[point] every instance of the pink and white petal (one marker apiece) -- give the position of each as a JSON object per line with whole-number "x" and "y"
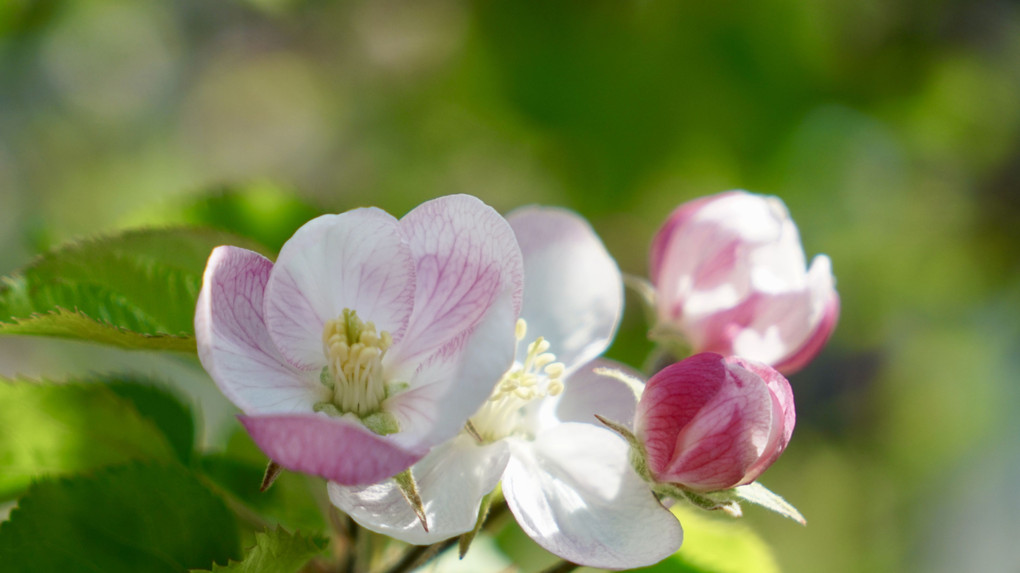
{"x": 451, "y": 480}
{"x": 465, "y": 257}
{"x": 573, "y": 292}
{"x": 823, "y": 296}
{"x": 574, "y": 492}
{"x": 586, "y": 393}
{"x": 337, "y": 449}
{"x": 455, "y": 381}
{"x": 784, "y": 415}
{"x": 234, "y": 345}
{"x": 727, "y": 437}
{"x": 354, "y": 260}
{"x": 678, "y": 220}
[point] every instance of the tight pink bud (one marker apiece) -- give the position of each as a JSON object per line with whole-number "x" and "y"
{"x": 709, "y": 423}
{"x": 730, "y": 277}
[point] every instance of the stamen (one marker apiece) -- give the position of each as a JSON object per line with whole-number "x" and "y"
{"x": 354, "y": 352}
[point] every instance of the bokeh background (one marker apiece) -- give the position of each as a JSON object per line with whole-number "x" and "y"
{"x": 891, "y": 130}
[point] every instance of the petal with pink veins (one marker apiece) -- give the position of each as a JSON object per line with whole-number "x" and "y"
{"x": 234, "y": 345}
{"x": 355, "y": 260}
{"x": 573, "y": 491}
{"x": 465, "y": 256}
{"x": 587, "y": 393}
{"x": 337, "y": 449}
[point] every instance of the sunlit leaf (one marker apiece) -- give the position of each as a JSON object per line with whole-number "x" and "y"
{"x": 716, "y": 545}
{"x": 276, "y": 551}
{"x": 66, "y": 428}
{"x": 160, "y": 405}
{"x": 135, "y": 290}
{"x": 125, "y": 519}
{"x": 290, "y": 502}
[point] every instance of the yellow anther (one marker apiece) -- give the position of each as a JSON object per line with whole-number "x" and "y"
{"x": 555, "y": 370}
{"x": 354, "y": 352}
{"x": 520, "y": 329}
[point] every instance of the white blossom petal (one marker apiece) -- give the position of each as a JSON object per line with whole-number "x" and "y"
{"x": 234, "y": 345}
{"x": 465, "y": 257}
{"x": 451, "y": 480}
{"x": 574, "y": 290}
{"x": 355, "y": 260}
{"x": 573, "y": 491}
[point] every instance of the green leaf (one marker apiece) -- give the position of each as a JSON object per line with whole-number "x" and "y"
{"x": 135, "y": 290}
{"x": 66, "y": 428}
{"x": 276, "y": 551}
{"x": 291, "y": 501}
{"x": 162, "y": 406}
{"x": 716, "y": 545}
{"x": 126, "y": 519}
{"x": 758, "y": 494}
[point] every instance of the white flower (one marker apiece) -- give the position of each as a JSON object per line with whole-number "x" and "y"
{"x": 567, "y": 479}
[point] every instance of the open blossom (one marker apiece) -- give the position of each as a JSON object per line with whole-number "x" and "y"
{"x": 709, "y": 423}
{"x": 729, "y": 277}
{"x": 567, "y": 479}
{"x": 369, "y": 340}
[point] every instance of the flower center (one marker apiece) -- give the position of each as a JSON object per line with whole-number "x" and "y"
{"x": 354, "y": 370}
{"x": 537, "y": 377}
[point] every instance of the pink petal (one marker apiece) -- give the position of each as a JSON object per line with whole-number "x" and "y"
{"x": 678, "y": 219}
{"x": 455, "y": 381}
{"x": 451, "y": 480}
{"x": 465, "y": 257}
{"x": 819, "y": 328}
{"x": 783, "y": 414}
{"x": 573, "y": 491}
{"x": 337, "y": 449}
{"x": 354, "y": 260}
{"x": 573, "y": 294}
{"x": 671, "y": 400}
{"x": 586, "y": 393}
{"x": 234, "y": 345}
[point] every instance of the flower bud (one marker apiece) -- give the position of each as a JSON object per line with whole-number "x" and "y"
{"x": 709, "y": 423}
{"x": 730, "y": 277}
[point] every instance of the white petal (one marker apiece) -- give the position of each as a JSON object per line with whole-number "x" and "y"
{"x": 451, "y": 386}
{"x": 465, "y": 257}
{"x": 354, "y": 260}
{"x": 451, "y": 480}
{"x": 573, "y": 491}
{"x": 573, "y": 293}
{"x": 234, "y": 345}
{"x": 586, "y": 393}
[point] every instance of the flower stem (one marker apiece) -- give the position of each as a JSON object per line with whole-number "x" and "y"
{"x": 418, "y": 555}
{"x": 561, "y": 567}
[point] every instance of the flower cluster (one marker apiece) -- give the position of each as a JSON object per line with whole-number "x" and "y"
{"x": 432, "y": 366}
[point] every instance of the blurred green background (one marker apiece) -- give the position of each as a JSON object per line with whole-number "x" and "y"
{"x": 890, "y": 129}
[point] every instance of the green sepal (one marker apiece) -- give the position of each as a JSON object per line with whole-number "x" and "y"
{"x": 409, "y": 488}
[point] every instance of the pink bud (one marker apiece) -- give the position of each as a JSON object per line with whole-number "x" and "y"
{"x": 709, "y": 423}
{"x": 730, "y": 277}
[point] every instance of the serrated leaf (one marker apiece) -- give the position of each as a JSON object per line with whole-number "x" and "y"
{"x": 66, "y": 428}
{"x": 714, "y": 545}
{"x": 758, "y": 494}
{"x": 161, "y": 405}
{"x": 275, "y": 551}
{"x": 135, "y": 290}
{"x": 239, "y": 471}
{"x": 126, "y": 519}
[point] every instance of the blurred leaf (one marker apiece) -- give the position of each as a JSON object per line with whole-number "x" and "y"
{"x": 136, "y": 290}
{"x": 239, "y": 471}
{"x": 134, "y": 518}
{"x": 67, "y": 428}
{"x": 263, "y": 211}
{"x": 758, "y": 494}
{"x": 160, "y": 405}
{"x": 716, "y": 546}
{"x": 276, "y": 551}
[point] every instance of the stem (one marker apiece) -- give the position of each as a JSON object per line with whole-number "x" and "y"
{"x": 418, "y": 555}
{"x": 561, "y": 567}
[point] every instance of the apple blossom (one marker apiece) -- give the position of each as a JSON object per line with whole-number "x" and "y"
{"x": 729, "y": 276}
{"x": 567, "y": 480}
{"x": 369, "y": 340}
{"x": 711, "y": 423}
